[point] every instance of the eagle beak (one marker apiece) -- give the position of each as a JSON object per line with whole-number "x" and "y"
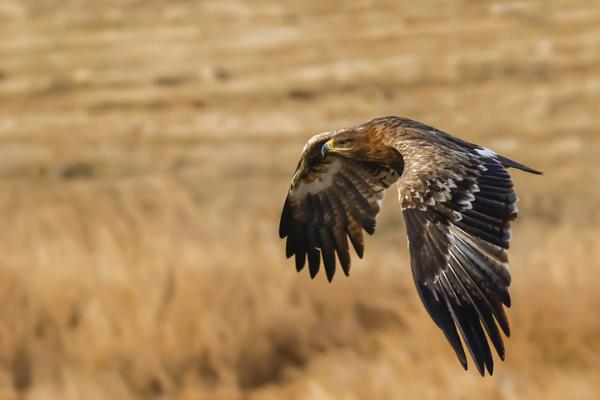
{"x": 327, "y": 148}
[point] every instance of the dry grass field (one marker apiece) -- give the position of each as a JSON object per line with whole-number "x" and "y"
{"x": 145, "y": 151}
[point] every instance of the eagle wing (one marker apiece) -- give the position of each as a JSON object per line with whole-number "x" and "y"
{"x": 458, "y": 202}
{"x": 330, "y": 200}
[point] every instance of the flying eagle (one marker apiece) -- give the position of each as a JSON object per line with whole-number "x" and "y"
{"x": 457, "y": 199}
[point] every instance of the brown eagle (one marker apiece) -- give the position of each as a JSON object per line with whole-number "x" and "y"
{"x": 458, "y": 202}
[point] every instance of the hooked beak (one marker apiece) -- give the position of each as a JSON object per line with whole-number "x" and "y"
{"x": 327, "y": 147}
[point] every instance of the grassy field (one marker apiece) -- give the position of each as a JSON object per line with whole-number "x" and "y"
{"x": 145, "y": 151}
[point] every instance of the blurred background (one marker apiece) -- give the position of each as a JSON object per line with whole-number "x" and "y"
{"x": 146, "y": 148}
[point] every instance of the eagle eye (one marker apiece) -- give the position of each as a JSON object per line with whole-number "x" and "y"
{"x": 344, "y": 143}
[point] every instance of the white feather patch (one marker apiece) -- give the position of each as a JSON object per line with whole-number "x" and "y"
{"x": 323, "y": 181}
{"x": 484, "y": 151}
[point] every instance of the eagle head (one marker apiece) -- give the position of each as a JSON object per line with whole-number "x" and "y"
{"x": 361, "y": 144}
{"x": 348, "y": 143}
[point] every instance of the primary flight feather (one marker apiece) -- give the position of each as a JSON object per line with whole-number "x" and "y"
{"x": 457, "y": 199}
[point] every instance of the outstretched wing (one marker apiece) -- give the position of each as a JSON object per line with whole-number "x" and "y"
{"x": 458, "y": 210}
{"x": 330, "y": 200}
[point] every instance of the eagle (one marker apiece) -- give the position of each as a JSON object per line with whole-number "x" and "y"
{"x": 458, "y": 202}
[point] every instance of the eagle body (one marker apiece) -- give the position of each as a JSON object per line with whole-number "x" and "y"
{"x": 457, "y": 199}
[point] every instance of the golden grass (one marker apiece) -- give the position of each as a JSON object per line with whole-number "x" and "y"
{"x": 145, "y": 152}
{"x": 133, "y": 289}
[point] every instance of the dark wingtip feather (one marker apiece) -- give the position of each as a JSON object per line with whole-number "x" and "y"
{"x": 356, "y": 239}
{"x": 360, "y": 250}
{"x": 285, "y": 217}
{"x": 314, "y": 261}
{"x": 442, "y": 317}
{"x": 506, "y": 331}
{"x": 329, "y": 275}
{"x": 507, "y": 162}
{"x": 289, "y": 251}
{"x": 506, "y": 299}
{"x": 344, "y": 258}
{"x": 328, "y": 255}
{"x": 300, "y": 261}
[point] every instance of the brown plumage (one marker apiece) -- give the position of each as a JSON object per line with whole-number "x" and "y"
{"x": 458, "y": 202}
